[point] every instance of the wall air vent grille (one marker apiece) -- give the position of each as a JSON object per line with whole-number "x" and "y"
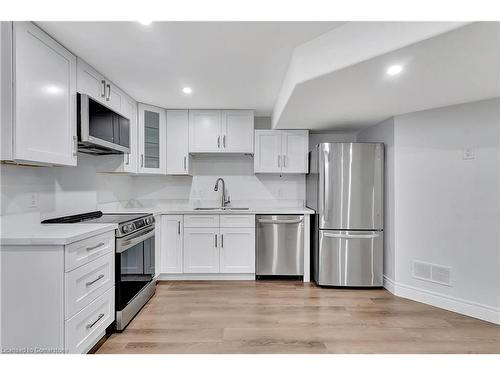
{"x": 433, "y": 273}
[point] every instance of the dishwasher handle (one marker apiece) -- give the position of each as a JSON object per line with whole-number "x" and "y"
{"x": 281, "y": 221}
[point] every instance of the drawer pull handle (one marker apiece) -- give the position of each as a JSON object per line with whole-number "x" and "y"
{"x": 95, "y": 247}
{"x": 89, "y": 283}
{"x": 99, "y": 317}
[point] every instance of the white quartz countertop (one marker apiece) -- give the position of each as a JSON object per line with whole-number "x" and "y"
{"x": 51, "y": 234}
{"x": 192, "y": 210}
{"x": 32, "y": 233}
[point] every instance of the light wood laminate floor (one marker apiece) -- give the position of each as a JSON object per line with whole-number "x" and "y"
{"x": 292, "y": 317}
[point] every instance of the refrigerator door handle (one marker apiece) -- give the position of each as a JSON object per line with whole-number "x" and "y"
{"x": 352, "y": 236}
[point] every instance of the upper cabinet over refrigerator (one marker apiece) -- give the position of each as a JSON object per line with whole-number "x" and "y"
{"x": 345, "y": 185}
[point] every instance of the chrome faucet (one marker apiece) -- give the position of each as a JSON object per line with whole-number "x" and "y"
{"x": 223, "y": 201}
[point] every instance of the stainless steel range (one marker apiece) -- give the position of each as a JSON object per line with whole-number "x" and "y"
{"x": 134, "y": 259}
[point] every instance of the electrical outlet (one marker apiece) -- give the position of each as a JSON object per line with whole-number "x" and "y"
{"x": 468, "y": 153}
{"x": 34, "y": 200}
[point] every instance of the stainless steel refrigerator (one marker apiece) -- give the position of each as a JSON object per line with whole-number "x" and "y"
{"x": 345, "y": 188}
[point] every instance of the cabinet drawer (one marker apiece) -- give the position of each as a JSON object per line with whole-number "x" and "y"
{"x": 237, "y": 221}
{"x": 201, "y": 221}
{"x": 88, "y": 282}
{"x": 84, "y": 329}
{"x": 82, "y": 252}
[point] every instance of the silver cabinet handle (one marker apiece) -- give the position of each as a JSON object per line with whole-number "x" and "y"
{"x": 75, "y": 145}
{"x": 279, "y": 161}
{"x": 95, "y": 247}
{"x": 215, "y": 240}
{"x": 103, "y": 93}
{"x": 284, "y": 161}
{"x": 351, "y": 236}
{"x": 185, "y": 162}
{"x": 109, "y": 92}
{"x": 282, "y": 221}
{"x": 128, "y": 159}
{"x": 99, "y": 317}
{"x": 221, "y": 240}
{"x": 224, "y": 141}
{"x": 142, "y": 160}
{"x": 218, "y": 141}
{"x": 179, "y": 227}
{"x": 94, "y": 281}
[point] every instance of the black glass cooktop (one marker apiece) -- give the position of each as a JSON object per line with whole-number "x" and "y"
{"x": 95, "y": 217}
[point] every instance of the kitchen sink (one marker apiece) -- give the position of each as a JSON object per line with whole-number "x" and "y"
{"x": 222, "y": 209}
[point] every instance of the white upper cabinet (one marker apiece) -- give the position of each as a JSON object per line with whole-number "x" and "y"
{"x": 38, "y": 99}
{"x": 237, "y": 131}
{"x": 152, "y": 137}
{"x": 281, "y": 151}
{"x": 178, "y": 160}
{"x": 130, "y": 160}
{"x": 221, "y": 131}
{"x": 295, "y": 149}
{"x": 267, "y": 158}
{"x": 101, "y": 89}
{"x": 204, "y": 130}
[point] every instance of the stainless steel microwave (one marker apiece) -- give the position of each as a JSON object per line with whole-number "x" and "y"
{"x": 100, "y": 129}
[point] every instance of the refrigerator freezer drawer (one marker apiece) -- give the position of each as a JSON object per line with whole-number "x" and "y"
{"x": 280, "y": 245}
{"x": 349, "y": 258}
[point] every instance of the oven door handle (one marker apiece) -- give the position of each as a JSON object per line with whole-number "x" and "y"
{"x": 124, "y": 244}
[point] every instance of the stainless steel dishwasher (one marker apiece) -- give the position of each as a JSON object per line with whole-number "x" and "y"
{"x": 280, "y": 245}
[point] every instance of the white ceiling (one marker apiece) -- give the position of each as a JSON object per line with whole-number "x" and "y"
{"x": 227, "y": 64}
{"x": 459, "y": 66}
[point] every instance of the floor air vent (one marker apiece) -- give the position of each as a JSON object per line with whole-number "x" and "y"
{"x": 434, "y": 273}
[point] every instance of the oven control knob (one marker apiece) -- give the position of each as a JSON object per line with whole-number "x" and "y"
{"x": 149, "y": 220}
{"x": 127, "y": 228}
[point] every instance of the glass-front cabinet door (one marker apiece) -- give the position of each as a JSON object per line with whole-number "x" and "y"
{"x": 152, "y": 139}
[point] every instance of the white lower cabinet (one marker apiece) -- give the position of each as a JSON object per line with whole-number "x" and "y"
{"x": 201, "y": 250}
{"x": 85, "y": 328}
{"x": 199, "y": 244}
{"x": 62, "y": 301}
{"x": 237, "y": 250}
{"x": 172, "y": 238}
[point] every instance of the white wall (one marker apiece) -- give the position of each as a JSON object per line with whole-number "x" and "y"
{"x": 447, "y": 208}
{"x": 444, "y": 210}
{"x": 236, "y": 170}
{"x": 60, "y": 190}
{"x": 384, "y": 132}
{"x": 69, "y": 190}
{"x": 325, "y": 136}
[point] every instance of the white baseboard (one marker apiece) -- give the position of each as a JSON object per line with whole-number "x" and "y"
{"x": 389, "y": 284}
{"x": 206, "y": 276}
{"x": 458, "y": 305}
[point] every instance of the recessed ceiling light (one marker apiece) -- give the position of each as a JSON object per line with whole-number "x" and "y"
{"x": 145, "y": 23}
{"x": 187, "y": 90}
{"x": 394, "y": 70}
